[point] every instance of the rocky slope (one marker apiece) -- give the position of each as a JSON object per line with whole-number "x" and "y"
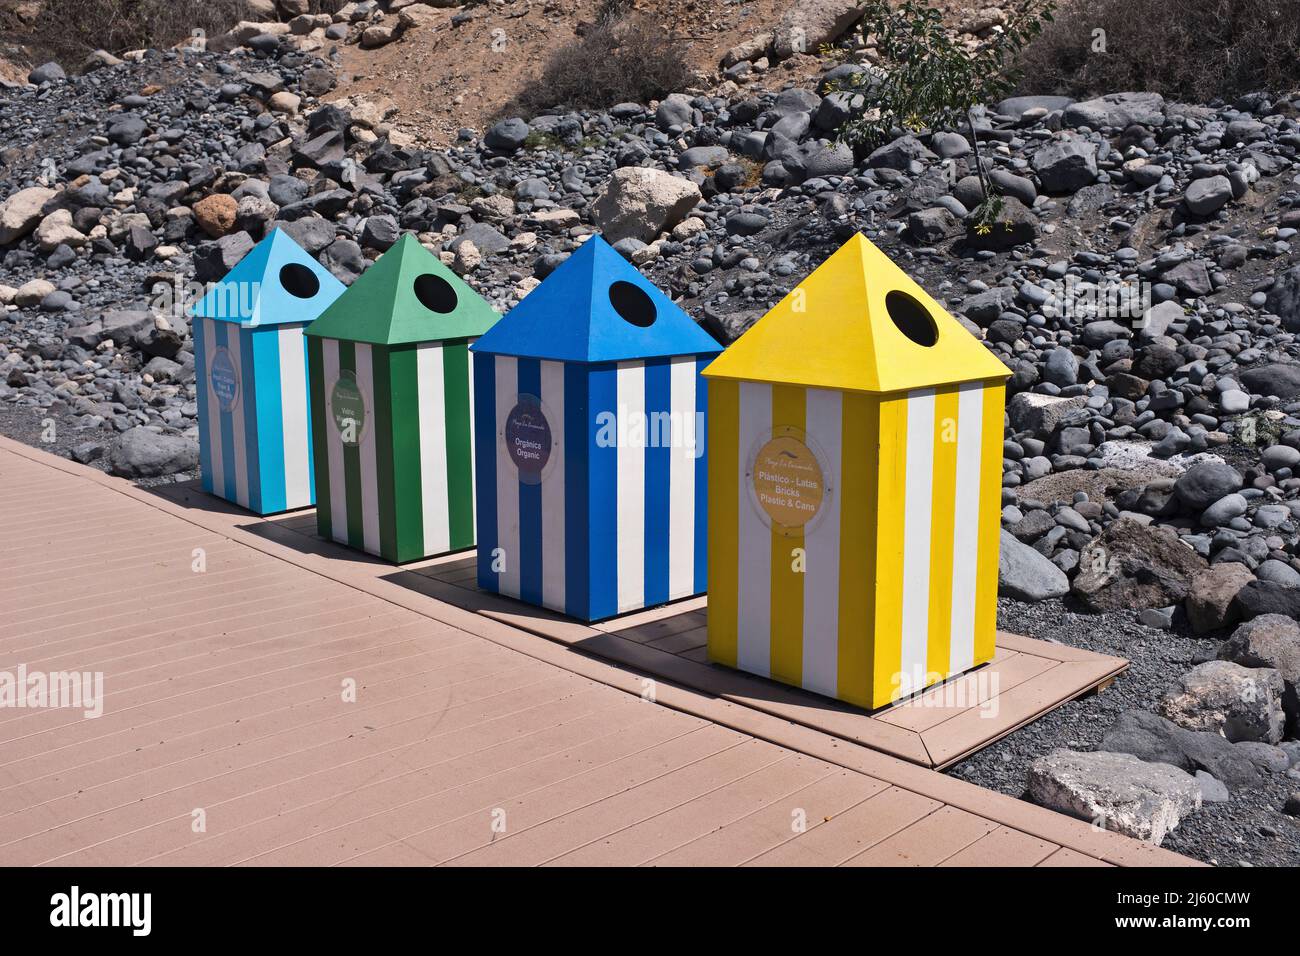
{"x": 1141, "y": 284}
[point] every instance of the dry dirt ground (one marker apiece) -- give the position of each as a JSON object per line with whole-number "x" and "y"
{"x": 442, "y": 78}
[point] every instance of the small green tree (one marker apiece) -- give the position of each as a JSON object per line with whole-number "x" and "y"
{"x": 933, "y": 82}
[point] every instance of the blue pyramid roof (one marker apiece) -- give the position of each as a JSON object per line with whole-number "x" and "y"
{"x": 585, "y": 312}
{"x": 254, "y": 293}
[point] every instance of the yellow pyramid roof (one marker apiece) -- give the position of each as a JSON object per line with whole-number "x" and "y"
{"x": 843, "y": 327}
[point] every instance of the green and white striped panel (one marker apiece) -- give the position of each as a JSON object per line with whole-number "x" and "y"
{"x": 391, "y": 429}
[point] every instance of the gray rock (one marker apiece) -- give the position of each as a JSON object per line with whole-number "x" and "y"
{"x": 1118, "y": 791}
{"x": 46, "y": 73}
{"x": 1027, "y": 575}
{"x": 1279, "y": 379}
{"x": 1284, "y": 298}
{"x": 1212, "y": 789}
{"x": 143, "y": 453}
{"x": 1066, "y": 165}
{"x": 1040, "y": 414}
{"x": 1222, "y": 697}
{"x": 1206, "y": 482}
{"x": 1117, "y": 110}
{"x": 1016, "y": 107}
{"x": 507, "y": 135}
{"x": 212, "y": 260}
{"x": 1154, "y": 739}
{"x": 1205, "y": 197}
{"x": 932, "y": 225}
{"x": 900, "y": 154}
{"x": 1266, "y": 597}
{"x": 1211, "y": 596}
{"x": 1270, "y": 641}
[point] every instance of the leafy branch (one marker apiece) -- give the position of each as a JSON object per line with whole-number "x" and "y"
{"x": 931, "y": 82}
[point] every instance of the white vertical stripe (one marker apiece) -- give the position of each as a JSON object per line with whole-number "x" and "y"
{"x": 473, "y": 461}
{"x": 754, "y": 575}
{"x": 334, "y": 445}
{"x": 631, "y": 485}
{"x": 681, "y": 478}
{"x": 507, "y": 395}
{"x": 293, "y": 411}
{"x": 966, "y": 522}
{"x": 916, "y": 538}
{"x": 233, "y": 333}
{"x": 553, "y": 570}
{"x": 433, "y": 447}
{"x": 821, "y": 610}
{"x": 217, "y": 451}
{"x": 367, "y": 450}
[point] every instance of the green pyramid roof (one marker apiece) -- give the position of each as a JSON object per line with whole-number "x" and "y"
{"x": 407, "y": 296}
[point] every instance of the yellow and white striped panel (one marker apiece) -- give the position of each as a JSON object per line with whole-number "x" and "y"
{"x": 892, "y": 584}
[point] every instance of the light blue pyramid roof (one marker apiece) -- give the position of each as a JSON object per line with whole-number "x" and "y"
{"x": 570, "y": 317}
{"x": 252, "y": 293}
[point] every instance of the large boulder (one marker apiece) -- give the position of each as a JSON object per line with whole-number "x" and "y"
{"x": 1040, "y": 414}
{"x": 1271, "y": 641}
{"x": 1268, "y": 597}
{"x": 21, "y": 212}
{"x": 1131, "y": 566}
{"x": 1066, "y": 165}
{"x": 1279, "y": 379}
{"x": 143, "y": 453}
{"x": 1117, "y": 110}
{"x": 808, "y": 24}
{"x": 641, "y": 203}
{"x": 1025, "y": 574}
{"x": 1154, "y": 739}
{"x": 1206, "y": 482}
{"x": 1284, "y": 299}
{"x": 1118, "y": 791}
{"x": 1242, "y": 703}
{"x": 1210, "y": 600}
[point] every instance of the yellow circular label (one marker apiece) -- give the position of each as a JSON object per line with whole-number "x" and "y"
{"x": 788, "y": 482}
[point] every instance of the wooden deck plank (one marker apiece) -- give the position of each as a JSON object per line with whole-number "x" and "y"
{"x": 927, "y": 842}
{"x": 231, "y": 703}
{"x": 852, "y": 832}
{"x": 1003, "y": 847}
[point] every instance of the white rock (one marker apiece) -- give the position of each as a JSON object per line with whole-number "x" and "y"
{"x": 20, "y": 213}
{"x": 57, "y": 229}
{"x": 641, "y": 203}
{"x": 1118, "y": 791}
{"x": 1241, "y": 703}
{"x": 32, "y": 291}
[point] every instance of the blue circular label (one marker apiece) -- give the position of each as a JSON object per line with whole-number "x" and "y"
{"x": 528, "y": 439}
{"x": 224, "y": 379}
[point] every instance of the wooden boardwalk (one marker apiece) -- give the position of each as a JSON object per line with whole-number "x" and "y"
{"x": 272, "y": 704}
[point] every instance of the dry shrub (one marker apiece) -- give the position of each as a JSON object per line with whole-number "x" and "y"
{"x": 618, "y": 60}
{"x": 1192, "y": 50}
{"x": 73, "y": 27}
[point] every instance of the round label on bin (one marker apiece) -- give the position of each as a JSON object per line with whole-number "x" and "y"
{"x": 787, "y": 482}
{"x": 224, "y": 379}
{"x": 348, "y": 408}
{"x": 528, "y": 439}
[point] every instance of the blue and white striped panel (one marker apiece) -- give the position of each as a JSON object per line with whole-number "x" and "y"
{"x": 254, "y": 432}
{"x": 617, "y": 522}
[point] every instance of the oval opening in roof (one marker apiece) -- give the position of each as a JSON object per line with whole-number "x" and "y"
{"x": 912, "y": 318}
{"x": 435, "y": 293}
{"x": 297, "y": 280}
{"x": 631, "y": 302}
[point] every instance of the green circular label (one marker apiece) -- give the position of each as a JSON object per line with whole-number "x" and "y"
{"x": 348, "y": 409}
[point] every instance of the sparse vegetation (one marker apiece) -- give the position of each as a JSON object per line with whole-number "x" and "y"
{"x": 1194, "y": 50}
{"x": 73, "y": 27}
{"x": 619, "y": 58}
{"x": 932, "y": 82}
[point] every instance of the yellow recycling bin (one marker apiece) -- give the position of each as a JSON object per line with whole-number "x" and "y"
{"x": 855, "y": 473}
